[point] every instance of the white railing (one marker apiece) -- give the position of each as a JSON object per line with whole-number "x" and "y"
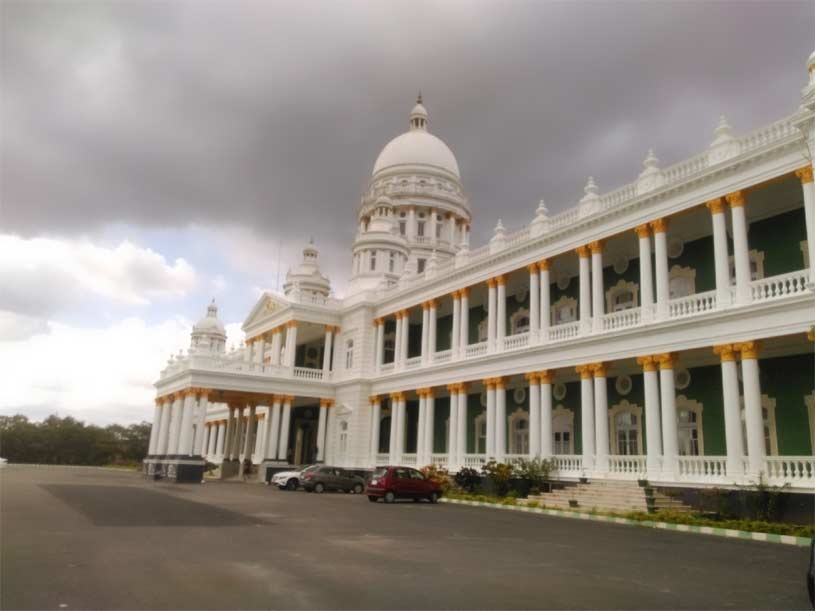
{"x": 475, "y": 460}
{"x": 475, "y": 350}
{"x": 564, "y": 331}
{"x": 513, "y": 459}
{"x": 793, "y": 470}
{"x": 440, "y": 460}
{"x": 782, "y": 285}
{"x": 307, "y": 373}
{"x": 413, "y": 363}
{"x": 627, "y": 466}
{"x": 692, "y": 304}
{"x": 442, "y": 356}
{"x": 768, "y": 134}
{"x": 408, "y": 459}
{"x": 568, "y": 463}
{"x": 383, "y": 459}
{"x": 622, "y": 319}
{"x": 704, "y": 468}
{"x": 519, "y": 340}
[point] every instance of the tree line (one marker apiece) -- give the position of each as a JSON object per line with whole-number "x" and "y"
{"x": 67, "y": 441}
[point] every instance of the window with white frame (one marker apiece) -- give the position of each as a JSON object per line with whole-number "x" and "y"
{"x": 392, "y": 262}
{"x": 402, "y": 227}
{"x": 562, "y": 430}
{"x": 625, "y": 421}
{"x": 481, "y": 433}
{"x": 768, "y": 422}
{"x": 681, "y": 281}
{"x": 519, "y": 432}
{"x": 343, "y": 437}
{"x": 390, "y": 340}
{"x": 756, "y": 266}
{"x": 349, "y": 354}
{"x": 622, "y": 296}
{"x": 373, "y": 260}
{"x": 420, "y": 265}
{"x": 420, "y": 229}
{"x": 689, "y": 427}
{"x": 519, "y": 321}
{"x": 564, "y": 310}
{"x": 482, "y": 330}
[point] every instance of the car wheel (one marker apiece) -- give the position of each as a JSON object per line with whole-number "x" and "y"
{"x": 358, "y": 488}
{"x": 390, "y": 497}
{"x": 434, "y": 497}
{"x": 373, "y": 498}
{"x": 319, "y": 487}
{"x": 291, "y": 484}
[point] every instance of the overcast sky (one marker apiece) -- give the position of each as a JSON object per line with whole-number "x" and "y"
{"x": 157, "y": 154}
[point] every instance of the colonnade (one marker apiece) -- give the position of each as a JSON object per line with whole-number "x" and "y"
{"x": 654, "y": 285}
{"x": 178, "y": 423}
{"x": 661, "y": 428}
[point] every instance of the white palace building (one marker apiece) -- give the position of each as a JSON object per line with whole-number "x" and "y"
{"x": 660, "y": 331}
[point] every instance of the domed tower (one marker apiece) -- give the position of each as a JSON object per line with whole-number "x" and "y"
{"x": 418, "y": 177}
{"x": 306, "y": 279}
{"x": 208, "y": 334}
{"x": 380, "y": 252}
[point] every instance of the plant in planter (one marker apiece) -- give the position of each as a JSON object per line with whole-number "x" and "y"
{"x": 438, "y": 475}
{"x": 535, "y": 472}
{"x": 573, "y": 503}
{"x": 497, "y": 476}
{"x": 467, "y": 479}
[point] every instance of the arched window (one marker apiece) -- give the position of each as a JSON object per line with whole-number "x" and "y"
{"x": 564, "y": 310}
{"x": 768, "y": 420}
{"x": 625, "y": 420}
{"x": 519, "y": 432}
{"x": 519, "y": 321}
{"x": 681, "y": 281}
{"x": 689, "y": 427}
{"x": 562, "y": 430}
{"x": 622, "y": 296}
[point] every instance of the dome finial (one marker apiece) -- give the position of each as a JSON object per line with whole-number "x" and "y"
{"x": 419, "y": 97}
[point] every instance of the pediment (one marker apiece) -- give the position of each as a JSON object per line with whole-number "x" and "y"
{"x": 268, "y": 306}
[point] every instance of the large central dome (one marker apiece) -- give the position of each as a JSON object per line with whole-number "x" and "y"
{"x": 417, "y": 147}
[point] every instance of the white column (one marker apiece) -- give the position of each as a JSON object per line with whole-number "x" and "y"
{"x": 545, "y": 300}
{"x": 456, "y": 335}
{"x": 646, "y": 272}
{"x": 274, "y": 429}
{"x": 500, "y": 420}
{"x": 597, "y": 290}
{"x": 741, "y": 252}
{"x": 585, "y": 289}
{"x": 451, "y": 229}
{"x": 410, "y": 230}
{"x": 464, "y": 332}
{"x": 214, "y": 438}
{"x": 490, "y": 384}
{"x": 492, "y": 305}
{"x": 753, "y": 417}
{"x": 670, "y": 441}
{"x": 164, "y": 427}
{"x": 420, "y": 460}
{"x": 501, "y": 322}
{"x": 283, "y": 444}
{"x": 376, "y": 418}
{"x": 240, "y": 434}
{"x": 432, "y": 315}
{"x": 425, "y": 343}
{"x": 534, "y": 414}
{"x": 277, "y": 338}
{"x": 328, "y": 346}
{"x": 721, "y": 267}
{"x": 249, "y": 450}
{"x": 257, "y": 351}
{"x": 600, "y": 418}
{"x": 203, "y": 405}
{"x": 401, "y": 420}
{"x": 808, "y": 187}
{"x": 154, "y": 430}
{"x": 397, "y": 342}
{"x": 660, "y": 227}
{"x": 452, "y": 427}
{"x": 461, "y": 421}
{"x": 291, "y": 349}
{"x": 175, "y": 424}
{"x": 380, "y": 343}
{"x": 732, "y": 409}
{"x": 219, "y": 442}
{"x": 586, "y": 415}
{"x": 653, "y": 426}
{"x": 546, "y": 413}
{"x": 405, "y": 335}
{"x": 229, "y": 434}
{"x": 324, "y": 405}
{"x": 429, "y": 421}
{"x": 257, "y": 451}
{"x": 432, "y": 222}
{"x": 534, "y": 303}
{"x": 393, "y": 449}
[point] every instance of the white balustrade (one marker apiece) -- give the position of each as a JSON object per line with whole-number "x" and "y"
{"x": 627, "y": 466}
{"x": 622, "y": 319}
{"x": 793, "y": 470}
{"x": 568, "y": 463}
{"x": 475, "y": 350}
{"x": 408, "y": 459}
{"x": 413, "y": 362}
{"x": 307, "y": 373}
{"x": 519, "y": 340}
{"x": 782, "y": 285}
{"x": 382, "y": 459}
{"x": 475, "y": 461}
{"x": 701, "y": 468}
{"x": 442, "y": 356}
{"x": 440, "y": 460}
{"x": 564, "y": 331}
{"x": 692, "y": 304}
{"x": 514, "y": 459}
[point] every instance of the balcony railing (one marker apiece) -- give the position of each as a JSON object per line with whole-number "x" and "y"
{"x": 692, "y": 304}
{"x": 564, "y": 331}
{"x": 519, "y": 340}
{"x": 476, "y": 349}
{"x": 306, "y": 373}
{"x": 475, "y": 461}
{"x": 442, "y": 356}
{"x": 627, "y": 466}
{"x": 702, "y": 468}
{"x": 622, "y": 319}
{"x": 790, "y": 469}
{"x": 783, "y": 285}
{"x": 413, "y": 362}
{"x": 568, "y": 464}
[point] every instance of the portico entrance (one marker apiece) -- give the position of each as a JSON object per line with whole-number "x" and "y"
{"x": 303, "y": 435}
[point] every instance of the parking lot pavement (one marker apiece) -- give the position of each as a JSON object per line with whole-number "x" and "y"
{"x": 85, "y": 538}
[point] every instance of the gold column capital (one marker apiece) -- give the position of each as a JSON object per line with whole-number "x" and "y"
{"x": 501, "y": 280}
{"x": 749, "y": 350}
{"x": 500, "y": 383}
{"x": 666, "y": 360}
{"x": 735, "y": 199}
{"x": 291, "y": 324}
{"x": 599, "y": 369}
{"x": 373, "y": 399}
{"x": 726, "y": 352}
{"x": 659, "y": 225}
{"x": 544, "y": 265}
{"x": 582, "y": 252}
{"x": 488, "y": 383}
{"x": 432, "y": 304}
{"x": 648, "y": 363}
{"x": 532, "y": 377}
{"x": 546, "y": 376}
{"x": 455, "y": 295}
{"x": 585, "y": 371}
{"x": 716, "y": 206}
{"x": 804, "y": 174}
{"x": 491, "y": 283}
{"x": 596, "y": 247}
{"x": 465, "y": 292}
{"x": 533, "y": 268}
{"x": 643, "y": 231}
{"x": 397, "y": 396}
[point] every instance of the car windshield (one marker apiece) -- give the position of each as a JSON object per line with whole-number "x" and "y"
{"x": 310, "y": 468}
{"x": 380, "y": 472}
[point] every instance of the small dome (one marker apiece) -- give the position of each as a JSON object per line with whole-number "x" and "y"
{"x": 306, "y": 276}
{"x": 210, "y": 323}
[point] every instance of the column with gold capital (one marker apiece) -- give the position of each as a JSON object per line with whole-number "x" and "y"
{"x": 808, "y": 187}
{"x": 492, "y": 305}
{"x": 600, "y": 418}
{"x": 646, "y": 272}
{"x": 464, "y": 332}
{"x": 660, "y": 229}
{"x": 653, "y": 430}
{"x": 546, "y": 378}
{"x": 741, "y": 251}
{"x": 534, "y": 303}
{"x": 721, "y": 267}
{"x": 732, "y": 410}
{"x": 489, "y": 384}
{"x": 584, "y": 298}
{"x": 545, "y": 299}
{"x": 753, "y": 415}
{"x": 456, "y": 337}
{"x": 586, "y": 415}
{"x": 597, "y": 289}
{"x": 667, "y": 387}
{"x": 534, "y": 414}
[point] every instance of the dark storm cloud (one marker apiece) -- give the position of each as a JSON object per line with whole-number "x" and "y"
{"x": 270, "y": 115}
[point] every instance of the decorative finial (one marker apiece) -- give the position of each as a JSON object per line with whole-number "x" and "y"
{"x": 651, "y": 160}
{"x": 591, "y": 187}
{"x": 542, "y": 209}
{"x": 419, "y": 97}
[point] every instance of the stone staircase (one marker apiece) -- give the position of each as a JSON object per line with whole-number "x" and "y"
{"x": 611, "y": 496}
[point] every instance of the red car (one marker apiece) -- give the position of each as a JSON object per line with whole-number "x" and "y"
{"x": 391, "y": 483}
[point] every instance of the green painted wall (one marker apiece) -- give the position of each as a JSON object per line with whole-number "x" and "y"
{"x": 780, "y": 238}
{"x": 444, "y": 328}
{"x": 441, "y": 412}
{"x": 788, "y": 380}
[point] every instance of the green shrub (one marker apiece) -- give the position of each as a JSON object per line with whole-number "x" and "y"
{"x": 498, "y": 476}
{"x": 438, "y": 475}
{"x": 467, "y": 479}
